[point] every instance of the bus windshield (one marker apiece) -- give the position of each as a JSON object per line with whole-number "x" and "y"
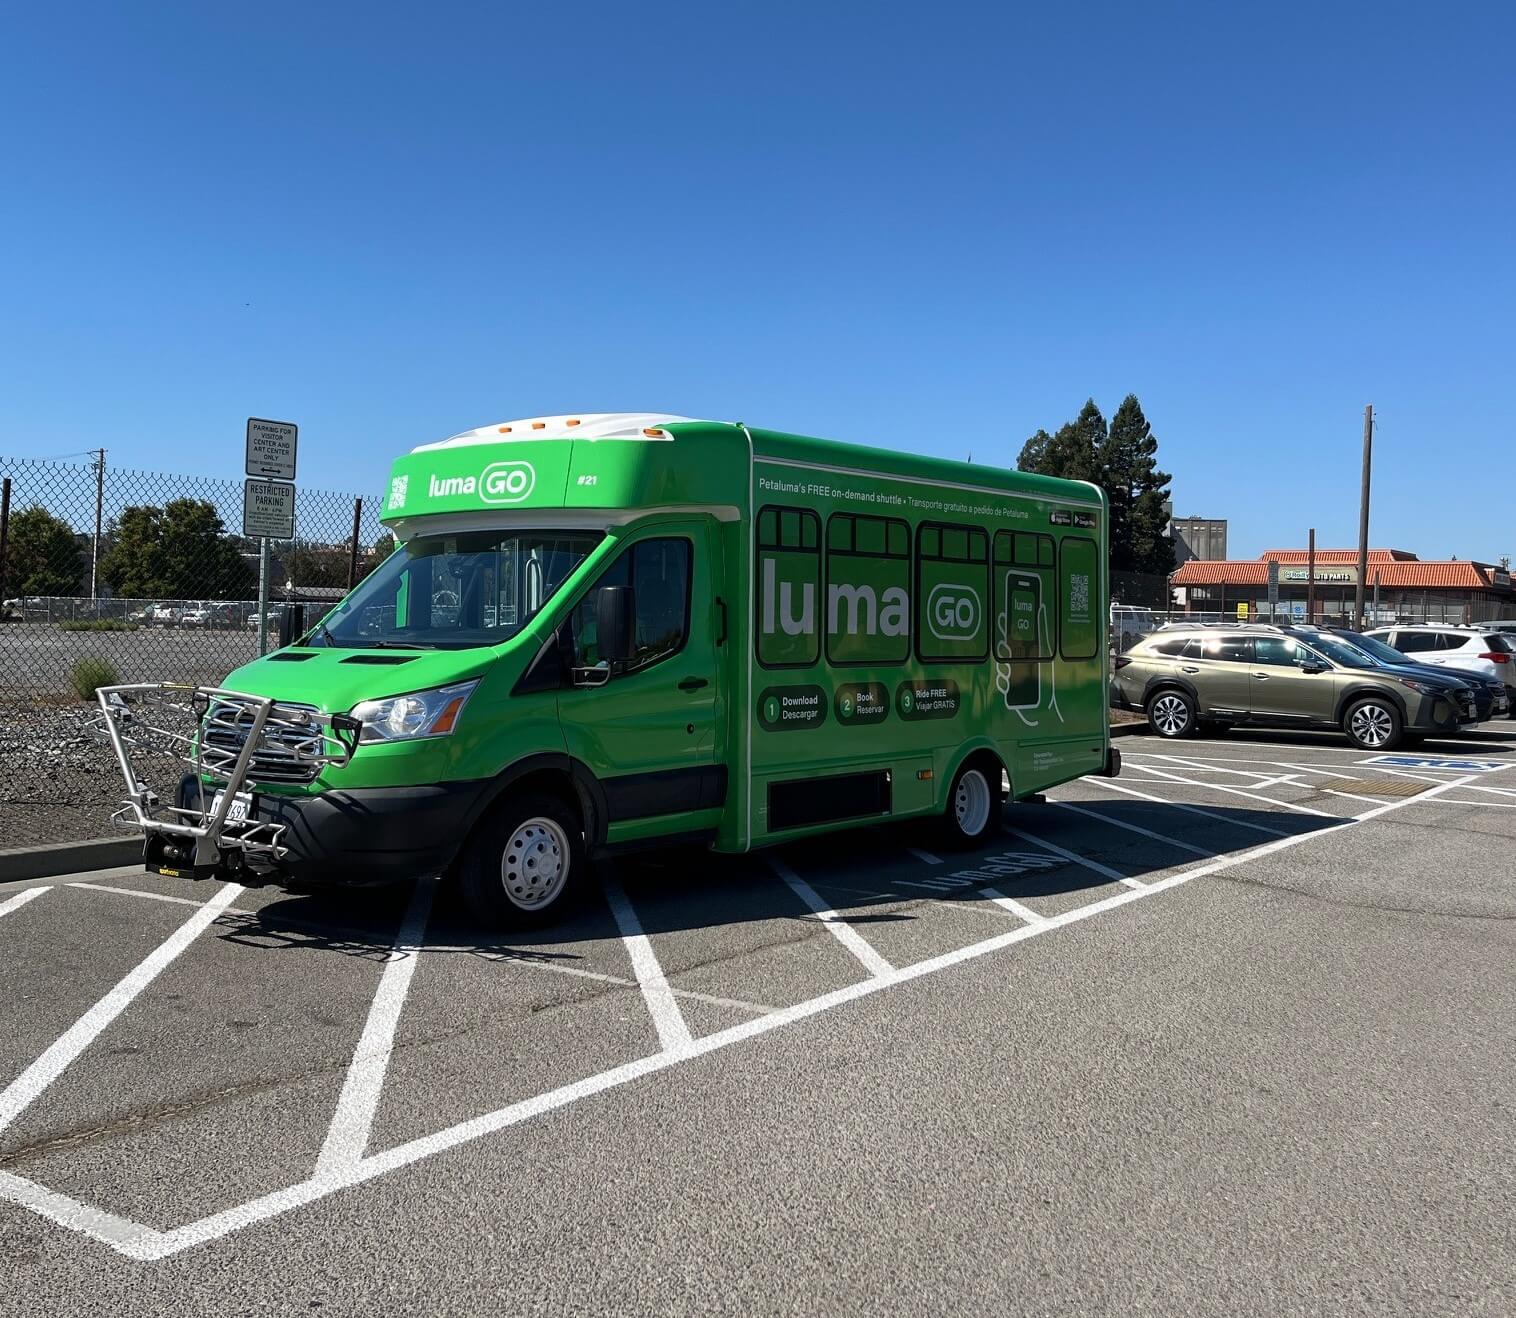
{"x": 456, "y": 592}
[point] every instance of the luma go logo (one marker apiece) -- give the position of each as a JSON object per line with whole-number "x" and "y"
{"x": 502, "y": 482}
{"x": 507, "y": 482}
{"x": 952, "y": 612}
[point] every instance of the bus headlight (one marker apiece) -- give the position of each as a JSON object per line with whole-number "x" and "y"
{"x": 410, "y": 717}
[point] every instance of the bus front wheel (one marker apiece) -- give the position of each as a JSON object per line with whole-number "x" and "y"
{"x": 973, "y": 806}
{"x": 527, "y": 865}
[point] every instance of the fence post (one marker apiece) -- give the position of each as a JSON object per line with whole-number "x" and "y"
{"x": 5, "y": 531}
{"x": 94, "y": 552}
{"x": 352, "y": 558}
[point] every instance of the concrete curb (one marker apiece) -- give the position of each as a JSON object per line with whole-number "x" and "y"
{"x": 68, "y": 858}
{"x": 1129, "y": 729}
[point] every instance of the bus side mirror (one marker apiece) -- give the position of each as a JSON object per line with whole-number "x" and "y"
{"x": 615, "y": 618}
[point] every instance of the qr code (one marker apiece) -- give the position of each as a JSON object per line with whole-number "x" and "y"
{"x": 1079, "y": 592}
{"x": 398, "y": 488}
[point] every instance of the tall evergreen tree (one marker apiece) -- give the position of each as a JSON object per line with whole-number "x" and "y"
{"x": 1137, "y": 489}
{"x": 1071, "y": 452}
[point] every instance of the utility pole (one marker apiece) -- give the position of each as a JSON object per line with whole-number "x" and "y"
{"x": 1363, "y": 513}
{"x": 94, "y": 553}
{"x": 1310, "y": 579}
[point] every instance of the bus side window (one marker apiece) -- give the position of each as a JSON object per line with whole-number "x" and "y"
{"x": 1025, "y": 621}
{"x": 952, "y": 593}
{"x": 787, "y": 594}
{"x": 1078, "y": 591}
{"x": 659, "y": 571}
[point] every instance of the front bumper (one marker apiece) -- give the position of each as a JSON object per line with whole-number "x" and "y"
{"x": 364, "y": 836}
{"x": 1443, "y": 712}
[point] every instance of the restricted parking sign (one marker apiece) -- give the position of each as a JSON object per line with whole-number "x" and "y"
{"x": 268, "y": 510}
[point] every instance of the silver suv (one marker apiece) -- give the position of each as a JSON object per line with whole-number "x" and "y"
{"x": 1190, "y": 677}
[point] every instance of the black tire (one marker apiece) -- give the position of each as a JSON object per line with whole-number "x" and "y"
{"x": 1373, "y": 724}
{"x": 1172, "y": 714}
{"x": 972, "y": 815}
{"x": 539, "y": 831}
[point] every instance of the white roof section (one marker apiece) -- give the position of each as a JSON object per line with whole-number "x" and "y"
{"x": 571, "y": 425}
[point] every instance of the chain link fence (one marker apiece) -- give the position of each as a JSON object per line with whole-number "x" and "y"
{"x": 110, "y": 575}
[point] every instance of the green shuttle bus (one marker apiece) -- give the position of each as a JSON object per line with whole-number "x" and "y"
{"x": 609, "y": 631}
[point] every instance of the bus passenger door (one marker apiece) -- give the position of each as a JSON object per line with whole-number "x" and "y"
{"x": 652, "y": 728}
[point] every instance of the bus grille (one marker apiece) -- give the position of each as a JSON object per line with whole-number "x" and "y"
{"x": 288, "y": 751}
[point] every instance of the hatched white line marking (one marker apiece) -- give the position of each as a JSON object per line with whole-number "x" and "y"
{"x": 1180, "y": 805}
{"x": 673, "y": 1034}
{"x": 1495, "y": 791}
{"x": 353, "y": 1120}
{"x": 1133, "y": 828}
{"x": 925, "y": 857}
{"x": 1483, "y": 805}
{"x": 1236, "y": 791}
{"x": 845, "y": 934}
{"x": 527, "y": 962}
{"x": 145, "y": 1243}
{"x": 21, "y": 898}
{"x": 134, "y": 892}
{"x": 21, "y": 1091}
{"x": 1088, "y": 864}
{"x": 1013, "y": 906}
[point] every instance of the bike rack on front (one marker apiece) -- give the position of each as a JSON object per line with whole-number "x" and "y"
{"x": 231, "y": 742}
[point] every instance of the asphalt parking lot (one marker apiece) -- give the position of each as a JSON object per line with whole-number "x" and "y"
{"x": 1230, "y": 1034}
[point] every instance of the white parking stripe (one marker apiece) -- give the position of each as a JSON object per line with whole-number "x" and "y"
{"x": 348, "y": 1135}
{"x": 138, "y": 892}
{"x": 19, "y": 1094}
{"x": 925, "y": 857}
{"x": 21, "y": 898}
{"x": 673, "y": 1034}
{"x": 1236, "y": 791}
{"x": 1013, "y": 906}
{"x": 1088, "y": 864}
{"x": 849, "y": 937}
{"x": 1133, "y": 828}
{"x": 1179, "y": 805}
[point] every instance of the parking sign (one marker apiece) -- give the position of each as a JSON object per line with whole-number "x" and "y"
{"x": 268, "y": 510}
{"x": 271, "y": 449}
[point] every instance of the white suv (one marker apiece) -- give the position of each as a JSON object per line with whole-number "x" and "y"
{"x": 1475, "y": 650}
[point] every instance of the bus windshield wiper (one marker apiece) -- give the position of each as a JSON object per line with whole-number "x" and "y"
{"x": 398, "y": 645}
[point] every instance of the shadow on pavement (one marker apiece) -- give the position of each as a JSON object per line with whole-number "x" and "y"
{"x": 866, "y": 875}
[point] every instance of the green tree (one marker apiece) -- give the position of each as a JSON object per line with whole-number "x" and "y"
{"x": 1071, "y": 451}
{"x": 1128, "y": 472}
{"x": 42, "y": 555}
{"x": 178, "y": 551}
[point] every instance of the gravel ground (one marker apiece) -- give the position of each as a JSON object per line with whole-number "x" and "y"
{"x": 56, "y": 783}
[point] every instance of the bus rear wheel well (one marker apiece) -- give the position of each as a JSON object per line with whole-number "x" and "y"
{"x": 987, "y": 762}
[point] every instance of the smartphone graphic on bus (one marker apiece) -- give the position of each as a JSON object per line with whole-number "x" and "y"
{"x": 1023, "y": 617}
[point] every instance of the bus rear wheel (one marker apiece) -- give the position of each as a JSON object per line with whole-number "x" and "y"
{"x": 973, "y": 807}
{"x": 527, "y": 865}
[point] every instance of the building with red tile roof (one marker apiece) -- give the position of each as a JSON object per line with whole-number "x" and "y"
{"x": 1443, "y": 590}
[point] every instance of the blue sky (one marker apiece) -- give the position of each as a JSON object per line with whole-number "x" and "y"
{"x": 929, "y": 227}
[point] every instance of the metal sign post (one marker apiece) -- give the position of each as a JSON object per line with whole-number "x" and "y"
{"x": 268, "y": 500}
{"x": 1273, "y": 588}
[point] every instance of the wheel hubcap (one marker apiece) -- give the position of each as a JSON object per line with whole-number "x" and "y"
{"x": 1372, "y": 725}
{"x": 535, "y": 864}
{"x": 971, "y": 803}
{"x": 1170, "y": 714}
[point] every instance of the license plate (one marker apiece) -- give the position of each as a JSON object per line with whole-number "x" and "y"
{"x": 241, "y": 808}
